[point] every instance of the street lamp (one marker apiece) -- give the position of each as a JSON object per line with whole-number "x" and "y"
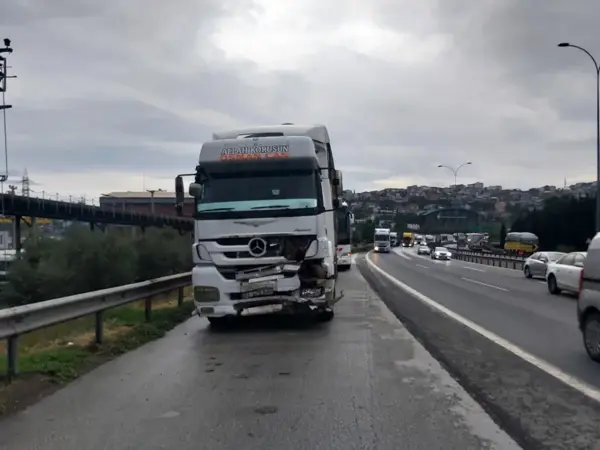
{"x": 597, "y": 67}
{"x": 455, "y": 171}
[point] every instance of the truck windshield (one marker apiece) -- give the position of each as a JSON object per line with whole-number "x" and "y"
{"x": 259, "y": 190}
{"x": 382, "y": 237}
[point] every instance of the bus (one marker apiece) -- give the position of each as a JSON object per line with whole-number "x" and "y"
{"x": 345, "y": 220}
{"x": 521, "y": 243}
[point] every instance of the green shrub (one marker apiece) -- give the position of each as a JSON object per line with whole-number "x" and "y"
{"x": 87, "y": 260}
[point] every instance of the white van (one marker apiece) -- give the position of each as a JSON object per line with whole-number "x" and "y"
{"x": 588, "y": 301}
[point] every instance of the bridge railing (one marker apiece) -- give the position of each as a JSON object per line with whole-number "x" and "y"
{"x": 18, "y": 320}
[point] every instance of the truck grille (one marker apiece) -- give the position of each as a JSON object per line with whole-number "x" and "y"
{"x": 228, "y": 272}
{"x": 293, "y": 248}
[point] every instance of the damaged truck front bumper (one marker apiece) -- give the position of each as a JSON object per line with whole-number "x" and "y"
{"x": 275, "y": 289}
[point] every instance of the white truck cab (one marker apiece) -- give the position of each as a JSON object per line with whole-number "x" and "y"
{"x": 382, "y": 240}
{"x": 265, "y": 231}
{"x": 394, "y": 239}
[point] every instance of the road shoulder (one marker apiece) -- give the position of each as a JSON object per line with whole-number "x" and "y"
{"x": 359, "y": 382}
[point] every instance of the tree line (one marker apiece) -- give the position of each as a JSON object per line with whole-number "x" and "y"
{"x": 564, "y": 223}
{"x": 85, "y": 260}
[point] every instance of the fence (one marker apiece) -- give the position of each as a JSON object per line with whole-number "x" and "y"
{"x": 489, "y": 259}
{"x": 23, "y": 319}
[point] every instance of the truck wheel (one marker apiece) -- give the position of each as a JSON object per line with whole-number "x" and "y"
{"x": 325, "y": 315}
{"x": 218, "y": 322}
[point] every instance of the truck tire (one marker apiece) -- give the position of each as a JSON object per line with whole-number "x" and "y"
{"x": 325, "y": 315}
{"x": 218, "y": 322}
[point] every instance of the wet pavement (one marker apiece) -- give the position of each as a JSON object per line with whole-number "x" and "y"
{"x": 359, "y": 382}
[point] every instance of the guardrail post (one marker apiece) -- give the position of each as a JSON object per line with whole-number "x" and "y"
{"x": 180, "y": 296}
{"x": 99, "y": 327}
{"x": 148, "y": 309}
{"x": 12, "y": 366}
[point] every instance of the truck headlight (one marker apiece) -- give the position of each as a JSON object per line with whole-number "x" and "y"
{"x": 206, "y": 294}
{"x": 202, "y": 252}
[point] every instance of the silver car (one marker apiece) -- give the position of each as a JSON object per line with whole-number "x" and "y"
{"x": 423, "y": 250}
{"x": 441, "y": 253}
{"x": 537, "y": 264}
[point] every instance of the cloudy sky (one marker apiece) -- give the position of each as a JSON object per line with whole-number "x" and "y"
{"x": 119, "y": 95}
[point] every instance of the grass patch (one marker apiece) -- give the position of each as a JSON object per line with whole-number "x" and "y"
{"x": 76, "y": 330}
{"x": 51, "y": 357}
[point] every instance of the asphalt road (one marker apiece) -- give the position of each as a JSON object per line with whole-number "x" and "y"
{"x": 503, "y": 301}
{"x": 536, "y": 408}
{"x": 359, "y": 382}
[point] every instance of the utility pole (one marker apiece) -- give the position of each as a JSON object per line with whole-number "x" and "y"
{"x": 3, "y": 107}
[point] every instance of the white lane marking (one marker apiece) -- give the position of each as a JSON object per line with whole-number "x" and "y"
{"x": 476, "y": 269}
{"x": 484, "y": 284}
{"x": 421, "y": 265}
{"x": 569, "y": 380}
{"x": 405, "y": 256}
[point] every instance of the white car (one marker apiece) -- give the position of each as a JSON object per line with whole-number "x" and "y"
{"x": 564, "y": 274}
{"x": 588, "y": 303}
{"x": 344, "y": 261}
{"x": 441, "y": 253}
{"x": 537, "y": 264}
{"x": 423, "y": 250}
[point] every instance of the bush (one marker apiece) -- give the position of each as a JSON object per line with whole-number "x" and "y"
{"x": 87, "y": 260}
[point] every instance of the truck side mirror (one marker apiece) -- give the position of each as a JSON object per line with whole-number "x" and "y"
{"x": 196, "y": 190}
{"x": 339, "y": 185}
{"x": 179, "y": 195}
{"x": 336, "y": 203}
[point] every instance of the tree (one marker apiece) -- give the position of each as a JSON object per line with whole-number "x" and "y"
{"x": 564, "y": 221}
{"x": 87, "y": 260}
{"x": 502, "y": 235}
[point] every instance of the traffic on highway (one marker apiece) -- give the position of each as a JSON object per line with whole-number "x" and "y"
{"x": 497, "y": 330}
{"x": 513, "y": 296}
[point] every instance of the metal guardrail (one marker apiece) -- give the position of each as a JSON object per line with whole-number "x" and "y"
{"x": 490, "y": 259}
{"x": 24, "y": 319}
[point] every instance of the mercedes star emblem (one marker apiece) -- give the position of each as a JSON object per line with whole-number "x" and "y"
{"x": 257, "y": 247}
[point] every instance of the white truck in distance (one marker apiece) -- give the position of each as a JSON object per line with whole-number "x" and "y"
{"x": 382, "y": 240}
{"x": 394, "y": 239}
{"x": 265, "y": 200}
{"x": 344, "y": 243}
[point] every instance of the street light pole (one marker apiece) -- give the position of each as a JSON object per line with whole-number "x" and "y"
{"x": 455, "y": 171}
{"x": 597, "y": 67}
{"x": 3, "y": 77}
{"x": 152, "y": 192}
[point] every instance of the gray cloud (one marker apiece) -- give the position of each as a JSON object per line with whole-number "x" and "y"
{"x": 136, "y": 87}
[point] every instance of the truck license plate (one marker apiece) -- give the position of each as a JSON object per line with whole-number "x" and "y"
{"x": 258, "y": 293}
{"x": 267, "y": 309}
{"x": 259, "y": 286}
